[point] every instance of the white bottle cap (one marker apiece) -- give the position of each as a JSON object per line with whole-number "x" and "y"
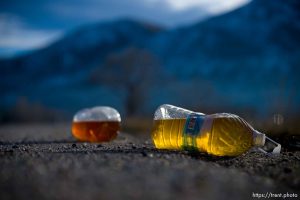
{"x": 265, "y": 144}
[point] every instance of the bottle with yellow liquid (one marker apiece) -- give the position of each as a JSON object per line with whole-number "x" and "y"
{"x": 221, "y": 134}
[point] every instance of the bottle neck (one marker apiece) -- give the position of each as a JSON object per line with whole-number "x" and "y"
{"x": 259, "y": 138}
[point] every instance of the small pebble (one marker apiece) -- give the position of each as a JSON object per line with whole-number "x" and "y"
{"x": 73, "y": 145}
{"x": 150, "y": 155}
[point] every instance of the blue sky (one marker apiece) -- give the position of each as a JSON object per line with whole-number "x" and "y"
{"x": 31, "y": 24}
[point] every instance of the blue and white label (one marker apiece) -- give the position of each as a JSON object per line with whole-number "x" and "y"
{"x": 192, "y": 129}
{"x": 193, "y": 124}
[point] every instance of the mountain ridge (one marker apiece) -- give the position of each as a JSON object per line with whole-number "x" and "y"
{"x": 240, "y": 56}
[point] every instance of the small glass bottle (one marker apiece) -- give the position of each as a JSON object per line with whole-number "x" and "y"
{"x": 98, "y": 124}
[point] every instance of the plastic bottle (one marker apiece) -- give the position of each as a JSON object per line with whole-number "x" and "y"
{"x": 219, "y": 134}
{"x": 98, "y": 124}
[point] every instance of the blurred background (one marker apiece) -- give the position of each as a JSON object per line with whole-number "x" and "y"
{"x": 237, "y": 56}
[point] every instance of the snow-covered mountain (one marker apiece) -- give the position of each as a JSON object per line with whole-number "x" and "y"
{"x": 244, "y": 60}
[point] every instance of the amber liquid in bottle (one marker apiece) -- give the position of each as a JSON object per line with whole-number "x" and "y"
{"x": 226, "y": 137}
{"x": 95, "y": 131}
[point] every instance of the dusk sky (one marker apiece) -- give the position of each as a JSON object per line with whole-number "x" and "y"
{"x": 31, "y": 24}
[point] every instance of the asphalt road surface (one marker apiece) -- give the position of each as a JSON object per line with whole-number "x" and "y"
{"x": 44, "y": 161}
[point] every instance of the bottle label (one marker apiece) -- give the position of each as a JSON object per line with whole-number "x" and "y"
{"x": 191, "y": 131}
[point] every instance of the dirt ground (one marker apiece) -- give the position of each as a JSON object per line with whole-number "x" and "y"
{"x": 44, "y": 161}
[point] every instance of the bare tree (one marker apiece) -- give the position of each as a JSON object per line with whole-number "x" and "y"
{"x": 132, "y": 69}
